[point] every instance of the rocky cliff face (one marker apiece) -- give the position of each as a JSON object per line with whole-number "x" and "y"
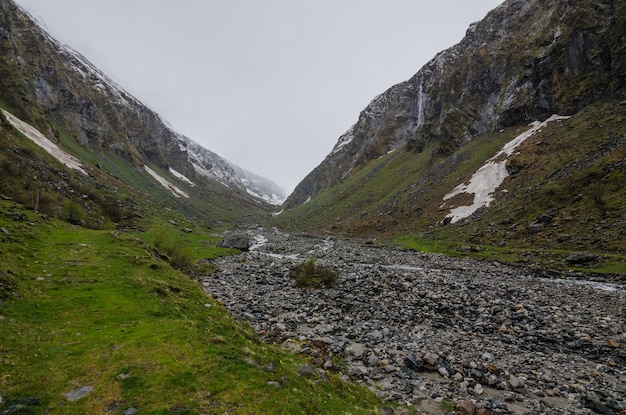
{"x": 527, "y": 60}
{"x": 54, "y": 88}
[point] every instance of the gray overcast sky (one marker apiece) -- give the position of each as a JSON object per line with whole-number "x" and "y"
{"x": 269, "y": 85}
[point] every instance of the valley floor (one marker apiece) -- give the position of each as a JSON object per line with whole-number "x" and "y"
{"x": 435, "y": 333}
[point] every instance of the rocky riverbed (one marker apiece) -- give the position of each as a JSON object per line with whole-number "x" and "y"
{"x": 431, "y": 331}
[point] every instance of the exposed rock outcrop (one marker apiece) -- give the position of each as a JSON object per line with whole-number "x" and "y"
{"x": 525, "y": 61}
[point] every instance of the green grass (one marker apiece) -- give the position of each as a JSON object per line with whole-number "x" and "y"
{"x": 100, "y": 308}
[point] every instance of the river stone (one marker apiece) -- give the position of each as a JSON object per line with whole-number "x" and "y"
{"x": 556, "y": 328}
{"x": 430, "y": 361}
{"x": 356, "y": 349}
{"x": 413, "y": 363}
{"x": 516, "y": 382}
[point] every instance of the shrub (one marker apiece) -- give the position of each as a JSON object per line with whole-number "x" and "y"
{"x": 310, "y": 275}
{"x": 74, "y": 213}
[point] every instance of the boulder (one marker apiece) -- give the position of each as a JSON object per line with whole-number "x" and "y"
{"x": 236, "y": 240}
{"x": 580, "y": 258}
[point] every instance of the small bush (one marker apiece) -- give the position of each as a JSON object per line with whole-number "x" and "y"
{"x": 309, "y": 275}
{"x": 74, "y": 213}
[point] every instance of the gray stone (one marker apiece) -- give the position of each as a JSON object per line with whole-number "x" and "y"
{"x": 372, "y": 360}
{"x": 431, "y": 361}
{"x": 79, "y": 393}
{"x": 516, "y": 382}
{"x": 236, "y": 240}
{"x": 580, "y": 258}
{"x": 413, "y": 363}
{"x": 356, "y": 349}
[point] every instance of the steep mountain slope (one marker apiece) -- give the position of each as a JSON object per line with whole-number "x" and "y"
{"x": 561, "y": 190}
{"x": 57, "y": 91}
{"x": 525, "y": 61}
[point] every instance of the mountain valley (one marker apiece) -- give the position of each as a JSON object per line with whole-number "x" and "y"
{"x": 473, "y": 218}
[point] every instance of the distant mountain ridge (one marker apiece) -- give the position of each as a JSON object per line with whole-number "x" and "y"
{"x": 50, "y": 85}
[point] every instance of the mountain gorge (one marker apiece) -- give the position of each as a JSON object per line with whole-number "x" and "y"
{"x": 390, "y": 173}
{"x": 60, "y": 93}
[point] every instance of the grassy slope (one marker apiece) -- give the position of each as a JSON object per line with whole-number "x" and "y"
{"x": 98, "y": 308}
{"x": 104, "y": 307}
{"x": 572, "y": 170}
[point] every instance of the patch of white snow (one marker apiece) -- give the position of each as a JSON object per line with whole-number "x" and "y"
{"x": 489, "y": 177}
{"x": 182, "y": 177}
{"x": 169, "y": 186}
{"x": 43, "y": 142}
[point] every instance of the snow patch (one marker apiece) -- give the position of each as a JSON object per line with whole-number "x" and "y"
{"x": 489, "y": 177}
{"x": 169, "y": 186}
{"x": 43, "y": 142}
{"x": 182, "y": 177}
